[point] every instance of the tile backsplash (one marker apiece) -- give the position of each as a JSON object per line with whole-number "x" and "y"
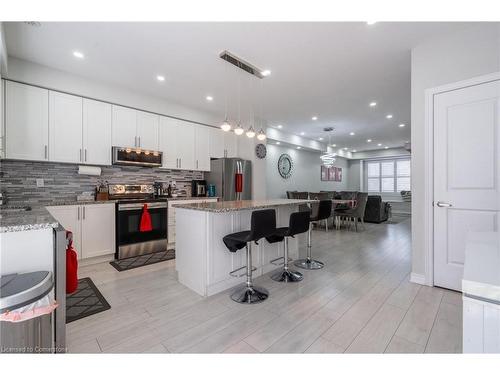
{"x": 18, "y": 180}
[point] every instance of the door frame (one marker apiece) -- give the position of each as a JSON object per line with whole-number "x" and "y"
{"x": 428, "y": 277}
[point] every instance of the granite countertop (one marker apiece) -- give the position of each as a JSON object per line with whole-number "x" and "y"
{"x": 482, "y": 266}
{"x": 229, "y": 206}
{"x": 15, "y": 219}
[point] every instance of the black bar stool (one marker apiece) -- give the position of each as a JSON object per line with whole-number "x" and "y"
{"x": 263, "y": 224}
{"x": 299, "y": 223}
{"x": 323, "y": 213}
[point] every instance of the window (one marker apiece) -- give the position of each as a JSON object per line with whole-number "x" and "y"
{"x": 388, "y": 176}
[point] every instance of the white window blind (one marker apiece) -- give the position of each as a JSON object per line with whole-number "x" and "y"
{"x": 389, "y": 176}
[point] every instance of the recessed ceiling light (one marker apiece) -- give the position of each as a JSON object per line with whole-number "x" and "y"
{"x": 298, "y": 147}
{"x": 371, "y": 22}
{"x": 353, "y": 150}
{"x": 368, "y": 140}
{"x": 373, "y": 104}
{"x": 401, "y": 125}
{"x": 352, "y": 133}
{"x": 386, "y": 147}
{"x": 314, "y": 118}
{"x": 266, "y": 73}
{"x": 160, "y": 78}
{"x": 320, "y": 138}
{"x": 388, "y": 116}
{"x": 78, "y": 54}
{"x": 380, "y": 144}
{"x": 302, "y": 133}
{"x": 279, "y": 126}
{"x": 209, "y": 98}
{"x": 334, "y": 145}
{"x": 345, "y": 148}
{"x": 277, "y": 143}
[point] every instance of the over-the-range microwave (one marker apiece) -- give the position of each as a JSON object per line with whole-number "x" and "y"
{"x": 136, "y": 156}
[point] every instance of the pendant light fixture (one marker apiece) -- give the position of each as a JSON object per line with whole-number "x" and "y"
{"x": 250, "y": 133}
{"x": 328, "y": 158}
{"x": 226, "y": 126}
{"x": 239, "y": 130}
{"x": 262, "y": 134}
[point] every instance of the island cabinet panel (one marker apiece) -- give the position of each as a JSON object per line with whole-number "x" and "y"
{"x": 204, "y": 262}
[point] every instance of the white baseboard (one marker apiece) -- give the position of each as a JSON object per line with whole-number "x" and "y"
{"x": 417, "y": 278}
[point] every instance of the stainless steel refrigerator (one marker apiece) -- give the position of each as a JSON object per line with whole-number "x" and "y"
{"x": 227, "y": 174}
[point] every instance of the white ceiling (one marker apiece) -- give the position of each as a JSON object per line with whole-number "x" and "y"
{"x": 330, "y": 70}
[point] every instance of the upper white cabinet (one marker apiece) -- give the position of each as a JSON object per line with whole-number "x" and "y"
{"x": 96, "y": 132}
{"x": 177, "y": 142}
{"x": 26, "y": 122}
{"x": 65, "y": 128}
{"x": 124, "y": 128}
{"x": 202, "y": 148}
{"x": 230, "y": 144}
{"x": 147, "y": 130}
{"x": 132, "y": 128}
{"x": 217, "y": 146}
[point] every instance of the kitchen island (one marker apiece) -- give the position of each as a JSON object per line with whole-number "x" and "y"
{"x": 203, "y": 262}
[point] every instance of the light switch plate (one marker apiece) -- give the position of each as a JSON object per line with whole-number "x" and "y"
{"x": 40, "y": 182}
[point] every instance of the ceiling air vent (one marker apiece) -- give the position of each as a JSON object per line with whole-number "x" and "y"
{"x": 242, "y": 64}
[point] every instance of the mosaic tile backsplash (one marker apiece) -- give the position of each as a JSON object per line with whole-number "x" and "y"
{"x": 62, "y": 181}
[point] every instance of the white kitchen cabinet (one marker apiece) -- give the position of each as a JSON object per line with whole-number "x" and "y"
{"x": 202, "y": 148}
{"x": 93, "y": 227}
{"x": 217, "y": 143}
{"x": 98, "y": 230}
{"x": 26, "y": 122}
{"x": 70, "y": 218}
{"x": 124, "y": 126}
{"x": 65, "y": 128}
{"x": 230, "y": 144}
{"x": 177, "y": 142}
{"x": 96, "y": 132}
{"x": 147, "y": 130}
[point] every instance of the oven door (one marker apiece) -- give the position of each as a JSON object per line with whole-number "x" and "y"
{"x": 130, "y": 240}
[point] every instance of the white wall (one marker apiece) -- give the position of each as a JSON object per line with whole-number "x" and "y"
{"x": 353, "y": 176}
{"x": 306, "y": 172}
{"x": 28, "y": 72}
{"x": 450, "y": 58}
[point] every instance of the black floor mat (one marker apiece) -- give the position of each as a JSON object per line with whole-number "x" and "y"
{"x": 143, "y": 260}
{"x": 85, "y": 301}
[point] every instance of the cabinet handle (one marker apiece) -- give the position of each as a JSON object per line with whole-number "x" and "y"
{"x": 78, "y": 215}
{"x": 80, "y": 155}
{"x": 85, "y": 154}
{"x": 46, "y": 152}
{"x": 180, "y": 162}
{"x": 196, "y": 164}
{"x": 135, "y": 141}
{"x": 139, "y": 141}
{"x": 83, "y": 212}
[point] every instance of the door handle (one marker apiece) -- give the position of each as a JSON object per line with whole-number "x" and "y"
{"x": 443, "y": 204}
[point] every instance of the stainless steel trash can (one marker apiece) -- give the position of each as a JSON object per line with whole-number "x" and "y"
{"x": 33, "y": 335}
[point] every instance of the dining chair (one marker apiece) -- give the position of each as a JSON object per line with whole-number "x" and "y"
{"x": 357, "y": 213}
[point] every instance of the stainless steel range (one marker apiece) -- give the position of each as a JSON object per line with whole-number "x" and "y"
{"x": 130, "y": 240}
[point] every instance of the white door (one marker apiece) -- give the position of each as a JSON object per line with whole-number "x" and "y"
{"x": 26, "y": 122}
{"x": 70, "y": 218}
{"x": 96, "y": 132}
{"x": 185, "y": 147}
{"x": 202, "y": 148}
{"x": 124, "y": 129}
{"x": 168, "y": 142}
{"x": 65, "y": 128}
{"x": 147, "y": 130}
{"x": 217, "y": 147}
{"x": 98, "y": 230}
{"x": 466, "y": 174}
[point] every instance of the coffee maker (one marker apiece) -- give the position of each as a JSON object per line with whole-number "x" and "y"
{"x": 199, "y": 188}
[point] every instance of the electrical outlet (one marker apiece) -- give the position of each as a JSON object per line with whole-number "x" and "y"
{"x": 40, "y": 182}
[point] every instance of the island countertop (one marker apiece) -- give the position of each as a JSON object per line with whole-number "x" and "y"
{"x": 18, "y": 219}
{"x": 229, "y": 206}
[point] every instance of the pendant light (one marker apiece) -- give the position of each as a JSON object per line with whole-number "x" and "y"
{"x": 328, "y": 158}
{"x": 262, "y": 135}
{"x": 226, "y": 126}
{"x": 250, "y": 133}
{"x": 239, "y": 129}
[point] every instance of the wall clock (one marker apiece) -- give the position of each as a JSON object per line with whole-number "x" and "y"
{"x": 261, "y": 151}
{"x": 285, "y": 165}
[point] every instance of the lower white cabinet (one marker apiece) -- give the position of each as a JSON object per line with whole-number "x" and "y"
{"x": 93, "y": 227}
{"x": 171, "y": 216}
{"x": 481, "y": 326}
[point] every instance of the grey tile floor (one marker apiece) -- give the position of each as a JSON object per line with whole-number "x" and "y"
{"x": 361, "y": 302}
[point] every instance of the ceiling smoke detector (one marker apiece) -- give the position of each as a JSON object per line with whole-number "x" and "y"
{"x": 244, "y": 65}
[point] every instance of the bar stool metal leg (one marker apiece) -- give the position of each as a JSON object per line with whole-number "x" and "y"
{"x": 249, "y": 293}
{"x": 308, "y": 263}
{"x": 285, "y": 275}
